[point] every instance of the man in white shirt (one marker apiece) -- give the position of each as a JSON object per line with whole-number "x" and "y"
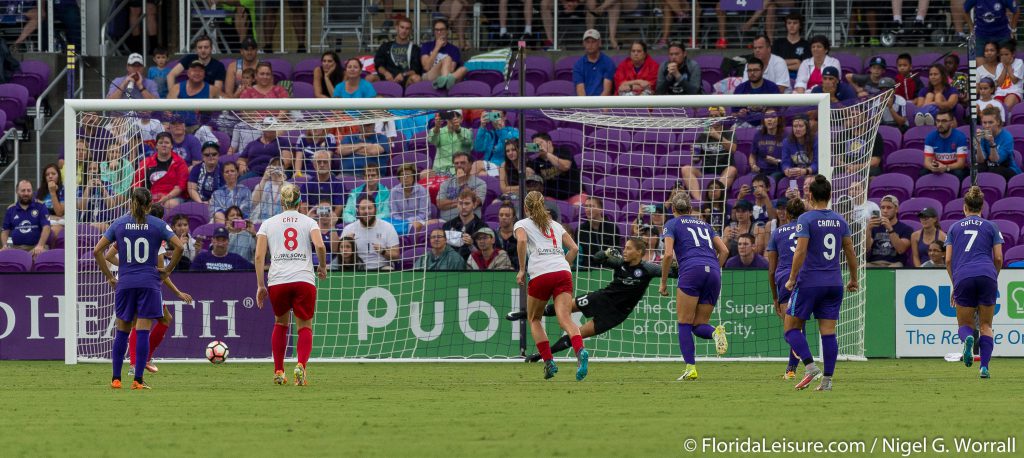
{"x": 775, "y": 69}
{"x": 376, "y": 240}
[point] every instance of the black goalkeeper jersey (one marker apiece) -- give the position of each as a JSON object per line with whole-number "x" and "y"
{"x": 629, "y": 283}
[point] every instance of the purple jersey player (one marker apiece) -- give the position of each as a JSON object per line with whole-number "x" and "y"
{"x": 816, "y": 280}
{"x": 781, "y": 246}
{"x": 137, "y": 290}
{"x": 700, "y": 253}
{"x": 974, "y": 255}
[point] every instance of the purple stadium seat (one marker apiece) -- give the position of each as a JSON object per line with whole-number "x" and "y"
{"x": 914, "y": 137}
{"x": 610, "y": 140}
{"x": 896, "y": 184}
{"x": 910, "y": 207}
{"x": 907, "y": 161}
{"x": 302, "y": 90}
{"x": 15, "y": 261}
{"x": 3, "y": 121}
{"x": 946, "y": 224}
{"x": 556, "y": 88}
{"x": 536, "y": 120}
{"x": 913, "y": 223}
{"x": 493, "y": 188}
{"x": 539, "y": 69}
{"x": 849, "y": 63}
{"x": 1018, "y": 137}
{"x": 636, "y": 165}
{"x": 954, "y": 210}
{"x": 655, "y": 142}
{"x": 911, "y": 113}
{"x": 673, "y": 162}
{"x": 198, "y": 213}
{"x": 744, "y": 138}
{"x": 88, "y": 236}
{"x": 491, "y": 211}
{"x": 223, "y": 141}
{"x": 1013, "y": 254}
{"x": 13, "y": 102}
{"x": 657, "y": 189}
{"x": 1010, "y": 208}
{"x": 1015, "y": 187}
{"x": 282, "y": 68}
{"x": 570, "y": 139}
{"x": 388, "y": 89}
{"x": 489, "y": 77}
{"x": 49, "y": 261}
{"x": 470, "y": 89}
{"x": 251, "y": 182}
{"x": 422, "y": 89}
{"x": 992, "y": 184}
{"x": 892, "y": 138}
{"x": 563, "y": 68}
{"x": 56, "y": 240}
{"x": 943, "y": 187}
{"x": 409, "y": 256}
{"x": 34, "y": 75}
{"x": 304, "y": 70}
{"x": 499, "y": 90}
{"x": 1016, "y": 115}
{"x": 618, "y": 187}
{"x": 1010, "y": 231}
{"x": 421, "y": 160}
{"x": 596, "y": 162}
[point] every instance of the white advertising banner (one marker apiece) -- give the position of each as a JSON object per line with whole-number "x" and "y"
{"x": 926, "y": 321}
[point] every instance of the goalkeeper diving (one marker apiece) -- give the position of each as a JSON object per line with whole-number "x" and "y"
{"x": 607, "y": 307}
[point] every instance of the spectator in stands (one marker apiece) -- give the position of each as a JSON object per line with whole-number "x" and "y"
{"x": 348, "y": 259}
{"x": 869, "y": 83}
{"x": 794, "y": 48}
{"x": 957, "y": 78}
{"x": 323, "y": 188}
{"x": 363, "y": 148}
{"x": 148, "y": 128}
{"x": 462, "y": 227}
{"x": 503, "y": 35}
{"x": 742, "y": 223}
{"x": 449, "y": 137}
{"x": 159, "y": 71}
{"x": 165, "y": 174}
{"x": 51, "y": 195}
{"x": 184, "y": 144}
{"x": 95, "y": 199}
{"x": 491, "y": 141}
{"x": 264, "y": 87}
{"x": 800, "y": 150}
{"x": 487, "y": 256}
{"x": 409, "y": 202}
{"x": 96, "y": 136}
{"x": 231, "y": 194}
{"x": 266, "y": 196}
{"x": 133, "y": 85}
{"x": 448, "y": 193}
{"x": 937, "y": 255}
{"x": 508, "y": 175}
{"x": 376, "y": 241}
{"x": 921, "y": 239}
{"x": 442, "y": 60}
{"x": 830, "y": 84}
{"x": 327, "y": 220}
{"x": 712, "y": 155}
{"x": 248, "y": 80}
{"x": 809, "y": 74}
{"x": 214, "y": 69}
{"x": 594, "y": 72}
{"x": 249, "y": 58}
{"x": 506, "y": 237}
{"x": 637, "y": 75}
{"x": 218, "y": 258}
{"x": 746, "y": 257}
{"x": 190, "y": 246}
{"x": 557, "y": 166}
{"x": 399, "y": 60}
{"x": 714, "y": 209}
{"x": 863, "y": 209}
{"x": 906, "y": 82}
{"x": 195, "y": 87}
{"x": 327, "y": 76}
{"x": 1009, "y": 75}
{"x": 650, "y": 234}
{"x": 988, "y": 63}
{"x": 352, "y": 85}
{"x": 536, "y": 183}
{"x": 207, "y": 176}
{"x": 986, "y": 93}
{"x": 305, "y": 148}
{"x": 595, "y": 233}
{"x": 936, "y": 96}
{"x": 679, "y": 75}
{"x": 372, "y": 189}
{"x": 895, "y": 113}
{"x": 773, "y": 67}
{"x": 241, "y": 135}
{"x": 994, "y": 146}
{"x": 242, "y": 234}
{"x": 755, "y": 84}
{"x": 766, "y": 152}
{"x": 994, "y": 21}
{"x": 258, "y": 153}
{"x": 763, "y": 209}
{"x": 26, "y": 225}
{"x": 945, "y": 149}
{"x": 441, "y": 256}
{"x": 888, "y": 238}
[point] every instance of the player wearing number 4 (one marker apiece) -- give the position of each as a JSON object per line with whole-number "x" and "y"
{"x": 292, "y": 286}
{"x": 816, "y": 281}
{"x": 550, "y": 277}
{"x": 137, "y": 290}
{"x": 701, "y": 253}
{"x": 974, "y": 255}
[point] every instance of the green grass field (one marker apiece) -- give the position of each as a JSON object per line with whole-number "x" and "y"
{"x": 622, "y": 409}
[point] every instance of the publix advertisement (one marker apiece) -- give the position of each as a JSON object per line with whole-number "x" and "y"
{"x": 926, "y": 321}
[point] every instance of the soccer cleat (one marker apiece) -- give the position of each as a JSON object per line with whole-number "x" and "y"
{"x": 515, "y": 316}
{"x": 150, "y": 367}
{"x": 532, "y": 358}
{"x": 968, "y": 357}
{"x": 550, "y": 369}
{"x": 809, "y": 376}
{"x": 140, "y": 386}
{"x": 115, "y": 384}
{"x": 582, "y": 358}
{"x": 689, "y": 375}
{"x": 300, "y": 375}
{"x": 721, "y": 340}
{"x": 984, "y": 372}
{"x": 825, "y": 385}
{"x": 789, "y": 375}
{"x": 279, "y": 378}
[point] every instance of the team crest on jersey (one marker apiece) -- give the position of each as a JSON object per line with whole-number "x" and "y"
{"x": 638, "y": 273}
{"x": 35, "y": 213}
{"x": 799, "y": 227}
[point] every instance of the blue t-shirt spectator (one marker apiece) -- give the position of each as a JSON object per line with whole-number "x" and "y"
{"x": 160, "y": 76}
{"x": 207, "y": 182}
{"x": 491, "y": 143}
{"x": 355, "y": 163}
{"x": 1004, "y": 144}
{"x": 190, "y": 149}
{"x": 947, "y": 150}
{"x": 314, "y": 191}
{"x": 947, "y": 92}
{"x": 364, "y": 91}
{"x": 767, "y": 145}
{"x": 767, "y": 87}
{"x": 593, "y": 74}
{"x": 794, "y": 154}
{"x": 25, "y": 224}
{"x": 230, "y": 261}
{"x": 215, "y": 70}
{"x": 843, "y": 91}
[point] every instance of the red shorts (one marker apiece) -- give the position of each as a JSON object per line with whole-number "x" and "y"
{"x": 297, "y": 296}
{"x": 550, "y": 285}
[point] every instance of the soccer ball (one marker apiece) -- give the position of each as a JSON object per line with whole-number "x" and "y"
{"x": 217, "y": 352}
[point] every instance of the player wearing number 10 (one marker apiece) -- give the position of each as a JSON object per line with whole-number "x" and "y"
{"x": 137, "y": 290}
{"x": 974, "y": 255}
{"x": 292, "y": 286}
{"x": 816, "y": 280}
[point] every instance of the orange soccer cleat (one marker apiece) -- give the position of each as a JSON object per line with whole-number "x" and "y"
{"x": 115, "y": 384}
{"x": 279, "y": 378}
{"x": 140, "y": 386}
{"x": 300, "y": 375}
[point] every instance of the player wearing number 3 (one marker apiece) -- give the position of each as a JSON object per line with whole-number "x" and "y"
{"x": 816, "y": 280}
{"x": 137, "y": 289}
{"x": 550, "y": 277}
{"x": 292, "y": 286}
{"x": 974, "y": 255}
{"x": 700, "y": 253}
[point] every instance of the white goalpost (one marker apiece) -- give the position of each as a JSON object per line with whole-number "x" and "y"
{"x": 405, "y": 313}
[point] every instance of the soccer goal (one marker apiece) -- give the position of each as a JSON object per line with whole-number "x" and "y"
{"x": 629, "y": 151}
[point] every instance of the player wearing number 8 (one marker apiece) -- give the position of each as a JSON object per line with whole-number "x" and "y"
{"x": 816, "y": 280}
{"x": 974, "y": 255}
{"x": 540, "y": 241}
{"x": 292, "y": 286}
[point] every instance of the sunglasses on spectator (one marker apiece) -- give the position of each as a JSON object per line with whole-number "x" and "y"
{"x": 211, "y": 154}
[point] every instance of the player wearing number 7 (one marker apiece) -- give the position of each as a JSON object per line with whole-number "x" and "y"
{"x": 816, "y": 280}
{"x": 974, "y": 256}
{"x": 292, "y": 286}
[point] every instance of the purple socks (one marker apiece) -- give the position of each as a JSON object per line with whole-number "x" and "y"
{"x": 987, "y": 344}
{"x": 141, "y": 353}
{"x": 965, "y": 332}
{"x": 686, "y": 346}
{"x": 118, "y": 351}
{"x": 830, "y": 351}
{"x": 704, "y": 331}
{"x": 798, "y": 342}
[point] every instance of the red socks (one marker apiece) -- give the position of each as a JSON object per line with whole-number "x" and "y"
{"x": 545, "y": 350}
{"x": 131, "y": 346}
{"x": 156, "y": 336}
{"x": 577, "y": 343}
{"x": 304, "y": 346}
{"x": 279, "y": 343}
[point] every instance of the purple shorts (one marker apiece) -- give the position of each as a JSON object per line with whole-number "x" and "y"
{"x": 702, "y": 282}
{"x": 975, "y": 291}
{"x": 781, "y": 291}
{"x": 132, "y": 303}
{"x": 823, "y": 301}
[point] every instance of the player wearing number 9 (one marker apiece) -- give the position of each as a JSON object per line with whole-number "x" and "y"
{"x": 816, "y": 280}
{"x": 974, "y": 255}
{"x": 137, "y": 290}
{"x": 292, "y": 286}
